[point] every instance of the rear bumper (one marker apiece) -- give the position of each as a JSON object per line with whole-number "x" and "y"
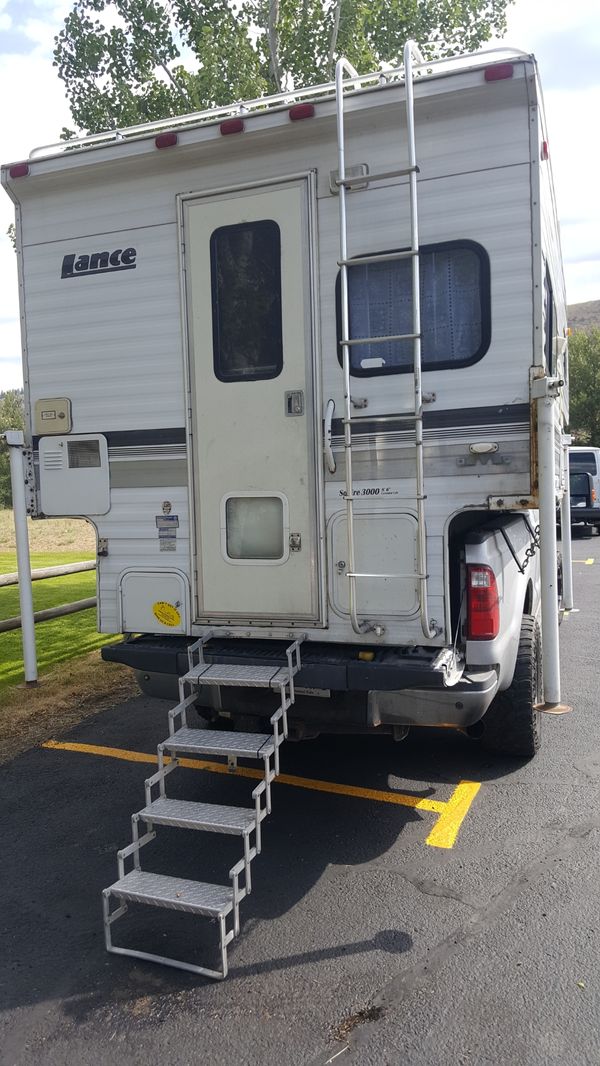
{"x": 400, "y": 686}
{"x": 585, "y": 514}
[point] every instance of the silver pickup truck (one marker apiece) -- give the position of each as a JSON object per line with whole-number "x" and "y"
{"x": 487, "y": 683}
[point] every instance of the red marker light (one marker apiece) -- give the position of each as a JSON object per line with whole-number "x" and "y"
{"x": 19, "y": 170}
{"x": 166, "y": 140}
{"x": 300, "y": 111}
{"x": 545, "y": 152}
{"x": 499, "y": 72}
{"x": 232, "y": 125}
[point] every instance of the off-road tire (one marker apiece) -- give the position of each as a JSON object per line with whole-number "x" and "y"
{"x": 511, "y": 725}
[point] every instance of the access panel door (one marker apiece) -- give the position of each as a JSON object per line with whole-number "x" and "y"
{"x": 249, "y": 308}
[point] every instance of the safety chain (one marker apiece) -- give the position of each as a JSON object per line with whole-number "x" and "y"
{"x": 531, "y": 550}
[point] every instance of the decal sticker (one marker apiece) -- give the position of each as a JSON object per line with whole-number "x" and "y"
{"x": 374, "y": 488}
{"x": 167, "y": 526}
{"x": 79, "y": 266}
{"x": 166, "y": 613}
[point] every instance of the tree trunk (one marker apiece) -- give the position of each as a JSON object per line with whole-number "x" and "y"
{"x": 274, "y": 41}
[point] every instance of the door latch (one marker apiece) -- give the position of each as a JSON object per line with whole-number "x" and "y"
{"x": 294, "y": 402}
{"x": 295, "y": 542}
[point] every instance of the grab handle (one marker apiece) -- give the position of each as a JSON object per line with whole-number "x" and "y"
{"x": 327, "y": 441}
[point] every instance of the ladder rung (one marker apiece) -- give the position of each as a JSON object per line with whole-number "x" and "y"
{"x": 409, "y": 416}
{"x": 364, "y": 179}
{"x": 384, "y": 257}
{"x": 353, "y": 341}
{"x": 411, "y": 577}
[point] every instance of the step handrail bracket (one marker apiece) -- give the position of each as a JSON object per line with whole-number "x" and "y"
{"x": 345, "y": 184}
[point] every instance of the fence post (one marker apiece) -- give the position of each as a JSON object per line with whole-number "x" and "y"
{"x": 16, "y": 442}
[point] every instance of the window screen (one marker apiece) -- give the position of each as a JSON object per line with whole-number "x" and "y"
{"x": 246, "y": 301}
{"x": 455, "y": 309}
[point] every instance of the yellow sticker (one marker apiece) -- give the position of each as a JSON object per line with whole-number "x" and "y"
{"x": 166, "y": 613}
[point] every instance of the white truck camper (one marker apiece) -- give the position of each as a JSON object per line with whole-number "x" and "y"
{"x": 302, "y": 362}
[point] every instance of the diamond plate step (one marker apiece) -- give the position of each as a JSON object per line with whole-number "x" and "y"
{"x": 174, "y": 893}
{"x": 243, "y": 676}
{"x": 207, "y": 816}
{"x": 221, "y": 742}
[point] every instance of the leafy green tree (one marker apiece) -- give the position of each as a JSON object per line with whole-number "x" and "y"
{"x": 584, "y": 386}
{"x": 130, "y": 61}
{"x": 11, "y": 417}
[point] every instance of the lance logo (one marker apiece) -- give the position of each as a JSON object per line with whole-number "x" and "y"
{"x": 78, "y": 266}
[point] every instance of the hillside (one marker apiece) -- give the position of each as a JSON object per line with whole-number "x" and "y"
{"x": 583, "y": 316}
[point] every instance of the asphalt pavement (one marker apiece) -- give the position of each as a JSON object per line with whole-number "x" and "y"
{"x": 366, "y": 939}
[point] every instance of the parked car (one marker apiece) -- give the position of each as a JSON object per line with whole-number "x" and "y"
{"x": 584, "y": 480}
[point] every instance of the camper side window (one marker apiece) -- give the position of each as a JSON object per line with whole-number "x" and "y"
{"x": 245, "y": 264}
{"x": 455, "y": 309}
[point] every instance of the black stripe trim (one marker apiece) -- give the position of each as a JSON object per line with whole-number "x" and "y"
{"x": 461, "y": 418}
{"x": 131, "y": 438}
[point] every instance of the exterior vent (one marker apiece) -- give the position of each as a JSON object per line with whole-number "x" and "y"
{"x": 53, "y": 460}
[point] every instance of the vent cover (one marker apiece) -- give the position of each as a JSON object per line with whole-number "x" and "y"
{"x": 53, "y": 460}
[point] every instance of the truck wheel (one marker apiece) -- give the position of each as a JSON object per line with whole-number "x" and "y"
{"x": 512, "y": 726}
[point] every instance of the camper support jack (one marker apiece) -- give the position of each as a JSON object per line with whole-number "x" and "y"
{"x": 219, "y": 902}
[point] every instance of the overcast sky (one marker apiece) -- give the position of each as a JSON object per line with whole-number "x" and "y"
{"x": 565, "y": 36}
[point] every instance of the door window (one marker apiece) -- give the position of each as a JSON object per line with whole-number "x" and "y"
{"x": 255, "y": 528}
{"x": 245, "y": 264}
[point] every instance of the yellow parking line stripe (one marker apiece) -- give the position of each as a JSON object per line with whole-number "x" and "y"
{"x": 451, "y": 813}
{"x": 586, "y": 562}
{"x": 445, "y": 830}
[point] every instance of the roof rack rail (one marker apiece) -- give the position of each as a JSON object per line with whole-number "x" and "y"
{"x": 375, "y": 79}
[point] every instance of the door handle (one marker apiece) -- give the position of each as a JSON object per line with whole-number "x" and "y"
{"x": 327, "y": 437}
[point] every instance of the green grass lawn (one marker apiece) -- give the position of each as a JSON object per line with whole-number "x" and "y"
{"x": 58, "y": 640}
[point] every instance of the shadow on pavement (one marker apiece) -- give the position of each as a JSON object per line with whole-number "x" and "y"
{"x": 65, "y": 814}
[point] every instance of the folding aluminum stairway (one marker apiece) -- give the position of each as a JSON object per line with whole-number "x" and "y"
{"x": 363, "y": 182}
{"x": 218, "y": 902}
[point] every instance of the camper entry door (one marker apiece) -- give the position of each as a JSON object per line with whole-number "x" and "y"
{"x": 249, "y": 307}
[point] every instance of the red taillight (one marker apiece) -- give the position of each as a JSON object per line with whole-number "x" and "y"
{"x": 166, "y": 140}
{"x": 483, "y": 606}
{"x": 19, "y": 170}
{"x": 545, "y": 151}
{"x": 499, "y": 72}
{"x": 300, "y": 111}
{"x": 232, "y": 125}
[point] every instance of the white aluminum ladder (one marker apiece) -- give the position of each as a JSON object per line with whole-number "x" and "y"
{"x": 415, "y": 415}
{"x": 221, "y": 903}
